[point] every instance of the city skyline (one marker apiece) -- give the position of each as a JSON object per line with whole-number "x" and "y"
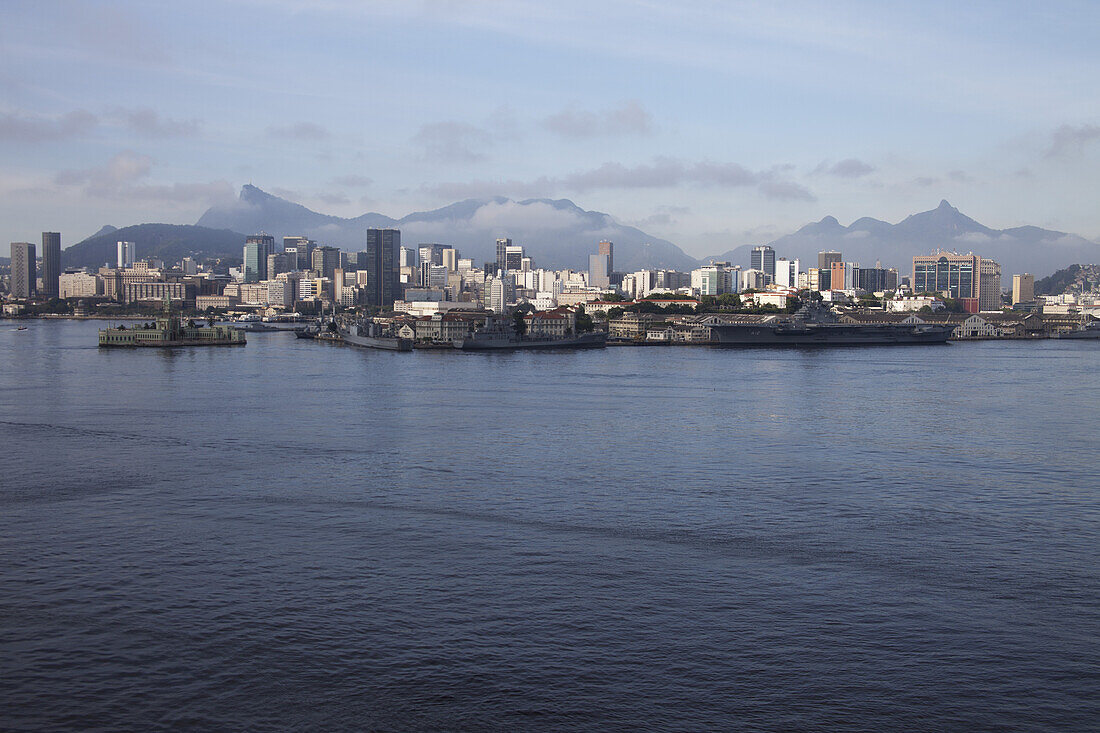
{"x": 710, "y": 127}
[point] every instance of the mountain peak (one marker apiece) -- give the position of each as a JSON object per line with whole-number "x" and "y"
{"x": 944, "y": 206}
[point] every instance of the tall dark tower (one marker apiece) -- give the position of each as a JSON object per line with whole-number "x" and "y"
{"x": 24, "y": 270}
{"x": 502, "y": 253}
{"x": 51, "y": 264}
{"x": 383, "y": 266}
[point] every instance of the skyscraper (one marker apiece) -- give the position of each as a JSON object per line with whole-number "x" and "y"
{"x": 502, "y": 253}
{"x": 598, "y": 272}
{"x": 125, "y": 255}
{"x": 383, "y": 266}
{"x": 763, "y": 258}
{"x": 826, "y": 258}
{"x": 256, "y": 249}
{"x": 430, "y": 253}
{"x": 51, "y": 264}
{"x": 24, "y": 270}
{"x": 513, "y": 258}
{"x": 303, "y": 248}
{"x": 326, "y": 260}
{"x": 1023, "y": 288}
{"x": 607, "y": 248}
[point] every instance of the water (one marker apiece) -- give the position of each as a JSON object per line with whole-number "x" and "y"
{"x": 303, "y": 536}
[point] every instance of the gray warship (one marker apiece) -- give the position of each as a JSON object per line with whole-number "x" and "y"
{"x": 815, "y": 324}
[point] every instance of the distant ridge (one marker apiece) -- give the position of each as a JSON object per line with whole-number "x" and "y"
{"x": 867, "y": 241}
{"x": 556, "y": 232}
{"x": 170, "y": 242}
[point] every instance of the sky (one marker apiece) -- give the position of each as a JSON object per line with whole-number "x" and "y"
{"x": 710, "y": 124}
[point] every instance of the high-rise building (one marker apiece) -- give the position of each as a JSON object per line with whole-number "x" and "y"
{"x": 408, "y": 257}
{"x": 989, "y": 285}
{"x": 502, "y": 249}
{"x": 839, "y": 276}
{"x": 450, "y": 259}
{"x": 1023, "y": 288}
{"x": 826, "y": 258}
{"x": 256, "y": 249}
{"x": 598, "y": 272}
{"x": 51, "y": 264}
{"x": 24, "y": 270}
{"x": 325, "y": 260}
{"x": 125, "y": 255}
{"x": 383, "y": 266}
{"x": 786, "y": 272}
{"x": 513, "y": 258}
{"x": 430, "y": 253}
{"x": 763, "y": 258}
{"x": 607, "y": 248}
{"x": 974, "y": 280}
{"x": 303, "y": 248}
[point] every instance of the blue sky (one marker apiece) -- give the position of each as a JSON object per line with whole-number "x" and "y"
{"x": 708, "y": 124}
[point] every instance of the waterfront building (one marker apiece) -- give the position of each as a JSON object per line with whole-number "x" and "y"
{"x": 78, "y": 284}
{"x": 959, "y": 276}
{"x": 763, "y": 258}
{"x": 989, "y": 285}
{"x": 383, "y": 267}
{"x": 1023, "y": 288}
{"x": 153, "y": 291}
{"x": 125, "y": 255}
{"x": 51, "y": 264}
{"x": 256, "y": 249}
{"x": 24, "y": 270}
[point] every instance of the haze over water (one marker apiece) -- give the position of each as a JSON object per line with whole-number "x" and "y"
{"x": 296, "y": 535}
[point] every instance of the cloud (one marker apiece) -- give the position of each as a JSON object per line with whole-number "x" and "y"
{"x": 30, "y": 128}
{"x": 352, "y": 180}
{"x": 452, "y": 142}
{"x": 146, "y": 121}
{"x": 926, "y": 181}
{"x": 629, "y": 118}
{"x": 974, "y": 238}
{"x": 123, "y": 168}
{"x": 1069, "y": 139}
{"x": 661, "y": 173}
{"x": 534, "y": 216}
{"x": 663, "y": 216}
{"x": 121, "y": 179}
{"x": 847, "y": 168}
{"x": 960, "y": 176}
{"x": 299, "y": 131}
{"x": 334, "y": 199}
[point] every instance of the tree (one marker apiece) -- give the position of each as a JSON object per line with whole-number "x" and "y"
{"x": 615, "y": 313}
{"x": 520, "y": 322}
{"x": 584, "y": 321}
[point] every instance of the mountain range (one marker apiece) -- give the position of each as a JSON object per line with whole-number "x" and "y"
{"x": 867, "y": 241}
{"x": 557, "y": 233}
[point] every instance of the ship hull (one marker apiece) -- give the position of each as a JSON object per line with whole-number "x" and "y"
{"x": 378, "y": 342}
{"x": 828, "y": 335}
{"x": 476, "y": 343}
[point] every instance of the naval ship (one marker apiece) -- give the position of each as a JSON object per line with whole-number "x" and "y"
{"x": 815, "y": 324}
